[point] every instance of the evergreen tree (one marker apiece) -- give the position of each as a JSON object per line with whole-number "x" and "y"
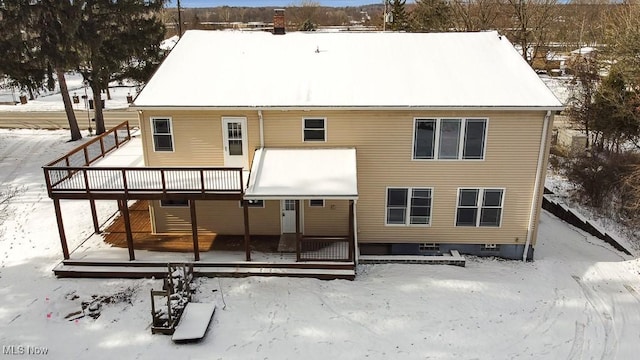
{"x": 399, "y": 17}
{"x": 432, "y": 16}
{"x": 36, "y": 40}
{"x": 120, "y": 40}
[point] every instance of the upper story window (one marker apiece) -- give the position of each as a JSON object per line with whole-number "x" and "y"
{"x": 314, "y": 129}
{"x": 162, "y": 134}
{"x": 479, "y": 207}
{"x": 449, "y": 139}
{"x": 409, "y": 206}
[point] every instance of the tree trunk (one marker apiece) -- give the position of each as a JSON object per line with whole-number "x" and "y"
{"x": 97, "y": 106}
{"x": 108, "y": 93}
{"x": 68, "y": 107}
{"x": 31, "y": 96}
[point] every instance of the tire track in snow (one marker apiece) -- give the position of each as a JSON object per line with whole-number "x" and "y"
{"x": 632, "y": 291}
{"x": 578, "y": 342}
{"x": 600, "y": 306}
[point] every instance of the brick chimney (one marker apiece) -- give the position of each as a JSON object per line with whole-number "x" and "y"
{"x": 278, "y": 22}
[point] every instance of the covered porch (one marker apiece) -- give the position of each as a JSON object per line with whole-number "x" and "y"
{"x": 313, "y": 175}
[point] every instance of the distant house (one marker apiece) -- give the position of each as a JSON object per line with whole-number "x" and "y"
{"x": 373, "y": 138}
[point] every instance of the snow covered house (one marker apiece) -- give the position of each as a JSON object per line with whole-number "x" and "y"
{"x": 349, "y": 144}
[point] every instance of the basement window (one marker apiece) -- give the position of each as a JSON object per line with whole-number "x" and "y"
{"x": 490, "y": 247}
{"x": 429, "y": 247}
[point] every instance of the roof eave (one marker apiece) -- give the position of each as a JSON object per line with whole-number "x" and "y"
{"x": 329, "y": 107}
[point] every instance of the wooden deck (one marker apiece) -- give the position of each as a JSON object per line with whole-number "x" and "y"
{"x": 144, "y": 239}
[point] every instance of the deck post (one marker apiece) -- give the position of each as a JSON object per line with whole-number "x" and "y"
{"x": 194, "y": 230}
{"x": 298, "y": 235}
{"x": 245, "y": 210}
{"x": 124, "y": 210}
{"x": 351, "y": 230}
{"x": 94, "y": 216}
{"x": 63, "y": 237}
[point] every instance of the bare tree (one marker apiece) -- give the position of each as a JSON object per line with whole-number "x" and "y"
{"x": 304, "y": 13}
{"x": 474, "y": 15}
{"x": 532, "y": 23}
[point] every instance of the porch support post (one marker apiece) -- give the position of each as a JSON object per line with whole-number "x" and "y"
{"x": 124, "y": 210}
{"x": 298, "y": 235}
{"x": 63, "y": 237}
{"x": 245, "y": 210}
{"x": 94, "y": 216}
{"x": 194, "y": 230}
{"x": 351, "y": 230}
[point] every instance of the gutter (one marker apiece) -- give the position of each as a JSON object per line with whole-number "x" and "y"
{"x": 536, "y": 187}
{"x": 346, "y": 108}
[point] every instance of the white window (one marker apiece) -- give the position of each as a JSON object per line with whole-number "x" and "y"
{"x": 479, "y": 207}
{"x": 174, "y": 203}
{"x": 316, "y": 203}
{"x": 253, "y": 203}
{"x": 162, "y": 134}
{"x": 449, "y": 139}
{"x": 409, "y": 206}
{"x": 314, "y": 129}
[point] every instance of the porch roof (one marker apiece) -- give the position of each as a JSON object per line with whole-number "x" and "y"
{"x": 303, "y": 174}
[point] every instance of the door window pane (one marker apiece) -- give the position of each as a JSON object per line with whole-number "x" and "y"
{"x": 235, "y": 147}
{"x": 289, "y": 205}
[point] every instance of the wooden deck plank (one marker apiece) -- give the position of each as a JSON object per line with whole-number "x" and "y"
{"x": 144, "y": 239}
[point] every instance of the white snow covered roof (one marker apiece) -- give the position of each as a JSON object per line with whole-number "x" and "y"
{"x": 303, "y": 174}
{"x": 233, "y": 69}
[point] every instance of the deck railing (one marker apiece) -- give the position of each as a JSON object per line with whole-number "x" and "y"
{"x": 325, "y": 249}
{"x": 138, "y": 180}
{"x": 96, "y": 148}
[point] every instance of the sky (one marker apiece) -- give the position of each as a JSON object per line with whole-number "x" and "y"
{"x": 256, "y": 3}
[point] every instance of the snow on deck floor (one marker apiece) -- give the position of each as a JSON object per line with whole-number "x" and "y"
{"x": 578, "y": 300}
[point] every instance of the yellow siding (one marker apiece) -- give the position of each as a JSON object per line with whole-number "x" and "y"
{"x": 330, "y": 220}
{"x": 220, "y": 217}
{"x": 384, "y": 149}
{"x": 197, "y": 137}
{"x": 225, "y": 217}
{"x": 383, "y": 140}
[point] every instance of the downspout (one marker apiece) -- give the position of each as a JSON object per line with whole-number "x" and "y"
{"x": 536, "y": 187}
{"x": 356, "y": 252}
{"x": 261, "y": 129}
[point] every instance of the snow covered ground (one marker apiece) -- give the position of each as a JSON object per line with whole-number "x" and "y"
{"x": 52, "y": 101}
{"x": 580, "y": 299}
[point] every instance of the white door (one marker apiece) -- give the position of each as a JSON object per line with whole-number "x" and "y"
{"x": 289, "y": 216}
{"x": 234, "y": 141}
